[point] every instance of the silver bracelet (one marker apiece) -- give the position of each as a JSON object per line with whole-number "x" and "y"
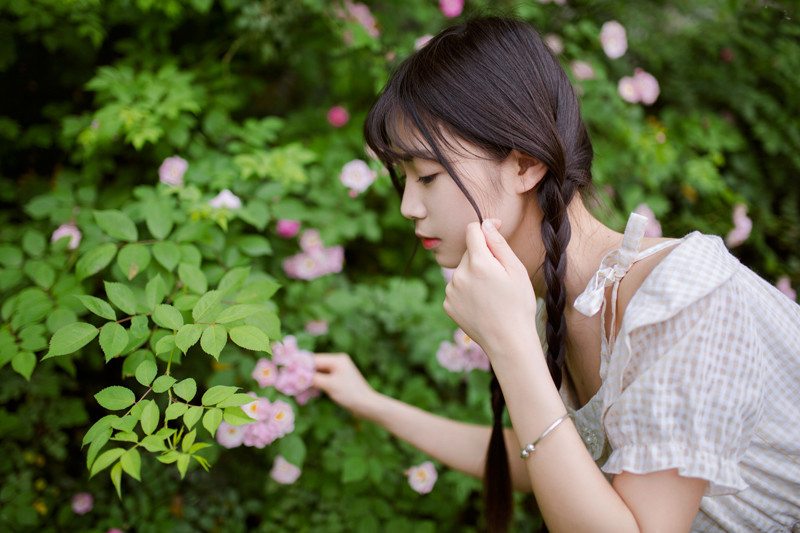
{"x": 528, "y": 450}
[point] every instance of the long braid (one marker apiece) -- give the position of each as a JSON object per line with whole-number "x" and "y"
{"x": 497, "y": 474}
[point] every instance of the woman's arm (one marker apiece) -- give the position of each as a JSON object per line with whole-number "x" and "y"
{"x": 458, "y": 445}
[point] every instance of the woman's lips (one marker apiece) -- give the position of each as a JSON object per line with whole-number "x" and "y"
{"x": 430, "y": 243}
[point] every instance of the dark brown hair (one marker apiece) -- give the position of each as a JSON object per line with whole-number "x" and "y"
{"x": 493, "y": 83}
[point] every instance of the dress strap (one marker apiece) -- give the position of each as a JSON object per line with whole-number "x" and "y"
{"x": 613, "y": 267}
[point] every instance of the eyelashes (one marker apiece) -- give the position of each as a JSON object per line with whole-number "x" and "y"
{"x": 426, "y": 179}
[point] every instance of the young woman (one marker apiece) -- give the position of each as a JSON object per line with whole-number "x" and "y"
{"x": 667, "y": 367}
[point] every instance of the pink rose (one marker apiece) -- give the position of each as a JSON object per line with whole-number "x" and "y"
{"x": 283, "y": 471}
{"x": 303, "y": 397}
{"x": 613, "y": 39}
{"x": 338, "y": 116}
{"x": 225, "y": 199}
{"x": 259, "y": 435}
{"x": 451, "y": 8}
{"x": 316, "y": 327}
{"x": 265, "y": 372}
{"x": 646, "y": 86}
{"x": 785, "y": 286}
{"x": 627, "y": 90}
{"x": 450, "y": 357}
{"x": 742, "y": 226}
{"x": 422, "y": 477}
{"x": 293, "y": 380}
{"x": 283, "y": 416}
{"x": 554, "y": 43}
{"x": 259, "y": 409}
{"x": 419, "y": 42}
{"x": 82, "y": 503}
{"x": 285, "y": 351}
{"x": 310, "y": 241}
{"x": 230, "y": 436}
{"x": 357, "y": 175}
{"x": 172, "y": 170}
{"x": 287, "y": 228}
{"x": 582, "y": 70}
{"x": 653, "y": 228}
{"x": 68, "y": 230}
{"x": 360, "y": 13}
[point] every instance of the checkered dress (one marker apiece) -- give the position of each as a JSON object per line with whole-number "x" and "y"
{"x": 703, "y": 376}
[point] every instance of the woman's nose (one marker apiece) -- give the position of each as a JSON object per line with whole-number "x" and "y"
{"x": 411, "y": 205}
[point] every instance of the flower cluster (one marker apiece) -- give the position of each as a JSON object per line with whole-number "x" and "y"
{"x": 742, "y": 226}
{"x": 291, "y": 370}
{"x": 273, "y": 420}
{"x": 462, "y": 356}
{"x": 172, "y": 170}
{"x": 422, "y": 477}
{"x": 641, "y": 87}
{"x": 315, "y": 260}
{"x": 357, "y": 176}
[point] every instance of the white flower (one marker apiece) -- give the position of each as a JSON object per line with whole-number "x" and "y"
{"x": 422, "y": 477}
{"x": 225, "y": 199}
{"x": 614, "y": 39}
{"x": 357, "y": 175}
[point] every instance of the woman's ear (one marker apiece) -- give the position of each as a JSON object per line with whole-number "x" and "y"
{"x": 529, "y": 169}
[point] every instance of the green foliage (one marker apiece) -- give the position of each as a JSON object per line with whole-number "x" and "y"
{"x": 133, "y": 347}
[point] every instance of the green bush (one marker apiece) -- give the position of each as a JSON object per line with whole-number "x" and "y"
{"x": 127, "y": 351}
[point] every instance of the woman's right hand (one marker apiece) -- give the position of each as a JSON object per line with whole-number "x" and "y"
{"x": 338, "y": 377}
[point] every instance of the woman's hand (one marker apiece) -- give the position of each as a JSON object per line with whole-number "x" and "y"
{"x": 490, "y": 295}
{"x": 338, "y": 377}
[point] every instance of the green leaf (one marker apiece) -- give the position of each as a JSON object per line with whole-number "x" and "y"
{"x": 254, "y": 245}
{"x": 236, "y": 400}
{"x": 250, "y": 338}
{"x": 218, "y": 393}
{"x": 100, "y": 440}
{"x": 122, "y": 296}
{"x": 213, "y": 340}
{"x": 188, "y": 440}
{"x": 293, "y": 449}
{"x": 237, "y": 312}
{"x": 192, "y": 415}
{"x": 116, "y": 224}
{"x": 34, "y": 243}
{"x": 115, "y": 398}
{"x": 235, "y": 416}
{"x": 158, "y": 218}
{"x": 146, "y": 372}
{"x": 116, "y": 478}
{"x": 257, "y": 292}
{"x": 105, "y": 460}
{"x": 131, "y": 463}
{"x": 97, "y": 306}
{"x": 97, "y": 428}
{"x": 23, "y": 364}
{"x": 185, "y": 389}
{"x": 354, "y": 468}
{"x": 126, "y": 437}
{"x": 187, "y": 336}
{"x": 169, "y": 457}
{"x": 207, "y": 307}
{"x": 155, "y": 291}
{"x": 163, "y": 383}
{"x": 212, "y": 420}
{"x": 168, "y": 254}
{"x": 165, "y": 344}
{"x": 10, "y": 256}
{"x": 168, "y": 317}
{"x": 183, "y": 463}
{"x": 126, "y": 423}
{"x": 154, "y": 443}
{"x": 133, "y": 259}
{"x": 150, "y": 416}
{"x": 40, "y": 272}
{"x": 233, "y": 280}
{"x": 95, "y": 260}
{"x": 138, "y": 332}
{"x": 175, "y": 410}
{"x": 113, "y": 339}
{"x": 71, "y": 338}
{"x": 193, "y": 278}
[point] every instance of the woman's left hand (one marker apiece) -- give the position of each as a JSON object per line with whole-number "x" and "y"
{"x": 490, "y": 295}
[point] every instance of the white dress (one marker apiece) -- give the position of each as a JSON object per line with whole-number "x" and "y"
{"x": 703, "y": 376}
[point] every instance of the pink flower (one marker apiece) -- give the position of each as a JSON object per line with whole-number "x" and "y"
{"x": 284, "y": 352}
{"x": 742, "y": 225}
{"x": 172, "y": 170}
{"x": 334, "y": 259}
{"x": 357, "y": 175}
{"x": 82, "y": 503}
{"x": 554, "y": 43}
{"x": 785, "y": 286}
{"x": 338, "y": 116}
{"x": 419, "y": 42}
{"x": 303, "y": 397}
{"x": 287, "y": 228}
{"x": 582, "y": 70}
{"x": 451, "y": 8}
{"x": 653, "y": 228}
{"x": 283, "y": 471}
{"x": 282, "y": 416}
{"x": 317, "y": 327}
{"x": 450, "y": 357}
{"x": 310, "y": 241}
{"x": 265, "y": 372}
{"x": 646, "y": 86}
{"x": 293, "y": 380}
{"x": 259, "y": 435}
{"x": 68, "y": 230}
{"x": 422, "y": 477}
{"x": 115, "y": 531}
{"x": 230, "y": 436}
{"x": 473, "y": 354}
{"x": 627, "y": 90}
{"x": 225, "y": 199}
{"x": 316, "y": 260}
{"x": 304, "y": 266}
{"x": 360, "y": 13}
{"x": 259, "y": 409}
{"x": 613, "y": 39}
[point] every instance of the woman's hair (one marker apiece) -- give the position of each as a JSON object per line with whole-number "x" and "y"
{"x": 493, "y": 83}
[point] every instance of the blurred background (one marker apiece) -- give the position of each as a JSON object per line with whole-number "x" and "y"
{"x": 117, "y": 105}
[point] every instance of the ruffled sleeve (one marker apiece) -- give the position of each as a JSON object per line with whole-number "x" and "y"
{"x": 689, "y": 393}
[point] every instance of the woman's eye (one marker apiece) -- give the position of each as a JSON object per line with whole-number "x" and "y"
{"x": 426, "y": 179}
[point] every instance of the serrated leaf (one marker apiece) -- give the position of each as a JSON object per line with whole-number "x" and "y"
{"x": 207, "y": 307}
{"x": 133, "y": 259}
{"x": 168, "y": 317}
{"x": 168, "y": 254}
{"x": 153, "y": 443}
{"x": 105, "y": 460}
{"x": 192, "y": 415}
{"x": 146, "y": 372}
{"x": 233, "y": 280}
{"x": 237, "y": 312}
{"x": 121, "y": 295}
{"x": 218, "y": 393}
{"x": 97, "y": 428}
{"x": 138, "y": 332}
{"x": 128, "y": 436}
{"x": 95, "y": 260}
{"x": 187, "y": 336}
{"x": 235, "y": 416}
{"x": 97, "y": 443}
{"x": 183, "y": 464}
{"x": 185, "y": 389}
{"x": 193, "y": 278}
{"x": 70, "y": 338}
{"x": 23, "y": 364}
{"x": 213, "y": 340}
{"x": 169, "y": 457}
{"x": 188, "y": 440}
{"x": 154, "y": 292}
{"x": 150, "y": 416}
{"x": 97, "y": 306}
{"x": 113, "y": 339}
{"x": 126, "y": 423}
{"x": 116, "y": 224}
{"x": 257, "y": 292}
{"x": 116, "y": 478}
{"x": 236, "y": 400}
{"x": 131, "y": 463}
{"x": 250, "y": 338}
{"x": 163, "y": 383}
{"x": 175, "y": 410}
{"x": 115, "y": 398}
{"x": 212, "y": 420}
{"x": 158, "y": 218}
